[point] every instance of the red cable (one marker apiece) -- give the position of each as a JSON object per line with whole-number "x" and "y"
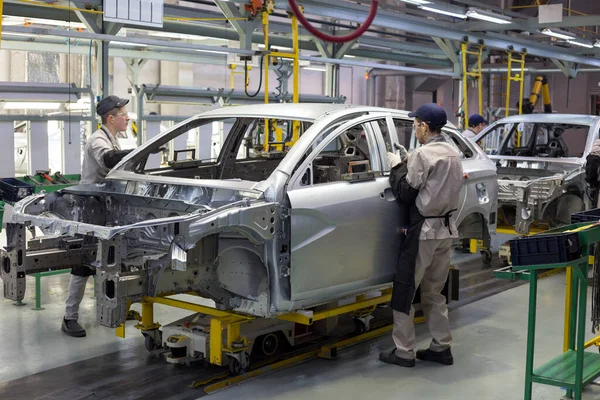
{"x": 331, "y": 38}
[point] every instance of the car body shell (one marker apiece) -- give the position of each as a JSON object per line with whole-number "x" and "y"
{"x": 263, "y": 247}
{"x": 540, "y": 189}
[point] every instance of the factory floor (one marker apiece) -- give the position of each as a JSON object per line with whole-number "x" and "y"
{"x": 40, "y": 362}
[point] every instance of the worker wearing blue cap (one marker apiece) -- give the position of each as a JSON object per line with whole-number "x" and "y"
{"x": 476, "y": 124}
{"x": 427, "y": 182}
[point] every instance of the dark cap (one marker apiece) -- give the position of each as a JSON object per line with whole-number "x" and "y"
{"x": 477, "y": 119}
{"x": 108, "y": 103}
{"x": 432, "y": 114}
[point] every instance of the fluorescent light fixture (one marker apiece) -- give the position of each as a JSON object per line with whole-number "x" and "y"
{"x": 581, "y": 43}
{"x": 488, "y": 16}
{"x": 12, "y": 21}
{"x": 79, "y": 107}
{"x": 315, "y": 69}
{"x": 30, "y": 105}
{"x": 417, "y": 2}
{"x": 446, "y": 10}
{"x": 262, "y": 46}
{"x": 174, "y": 35}
{"x": 212, "y": 51}
{"x": 129, "y": 44}
{"x": 557, "y": 33}
{"x": 4, "y": 33}
{"x": 55, "y": 22}
{"x": 349, "y": 56}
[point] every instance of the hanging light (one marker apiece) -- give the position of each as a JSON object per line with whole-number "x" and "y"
{"x": 448, "y": 10}
{"x": 559, "y": 34}
{"x": 488, "y": 16}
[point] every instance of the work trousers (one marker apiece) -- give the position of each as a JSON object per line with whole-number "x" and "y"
{"x": 75, "y": 295}
{"x": 431, "y": 272}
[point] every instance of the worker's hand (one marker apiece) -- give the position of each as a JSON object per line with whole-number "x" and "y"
{"x": 161, "y": 149}
{"x": 393, "y": 159}
{"x": 401, "y": 150}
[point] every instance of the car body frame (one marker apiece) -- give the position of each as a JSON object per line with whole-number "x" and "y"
{"x": 540, "y": 160}
{"x": 295, "y": 212}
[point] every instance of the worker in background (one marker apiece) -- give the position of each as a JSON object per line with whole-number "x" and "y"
{"x": 102, "y": 152}
{"x": 427, "y": 182}
{"x": 592, "y": 173}
{"x": 476, "y": 124}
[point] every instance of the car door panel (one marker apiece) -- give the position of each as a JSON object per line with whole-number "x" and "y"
{"x": 345, "y": 235}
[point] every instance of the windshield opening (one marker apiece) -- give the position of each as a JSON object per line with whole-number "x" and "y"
{"x": 232, "y": 148}
{"x": 536, "y": 139}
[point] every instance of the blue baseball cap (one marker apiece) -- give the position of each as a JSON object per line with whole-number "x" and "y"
{"x": 110, "y": 102}
{"x": 477, "y": 119}
{"x": 432, "y": 114}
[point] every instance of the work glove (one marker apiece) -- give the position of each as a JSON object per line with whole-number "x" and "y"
{"x": 402, "y": 152}
{"x": 159, "y": 150}
{"x": 393, "y": 159}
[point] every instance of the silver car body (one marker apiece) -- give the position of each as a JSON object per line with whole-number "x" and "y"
{"x": 306, "y": 230}
{"x": 542, "y": 180}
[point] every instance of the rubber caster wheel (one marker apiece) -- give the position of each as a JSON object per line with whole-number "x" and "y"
{"x": 486, "y": 256}
{"x": 269, "y": 344}
{"x": 150, "y": 343}
{"x": 235, "y": 368}
{"x": 359, "y": 327}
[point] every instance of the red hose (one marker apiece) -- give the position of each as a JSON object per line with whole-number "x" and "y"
{"x": 330, "y": 38}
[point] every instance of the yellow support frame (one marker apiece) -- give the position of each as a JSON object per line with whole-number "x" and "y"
{"x": 231, "y": 323}
{"x": 295, "y": 56}
{"x": 475, "y": 73}
{"x": 309, "y": 319}
{"x": 233, "y": 73}
{"x": 520, "y": 77}
{"x": 1, "y": 13}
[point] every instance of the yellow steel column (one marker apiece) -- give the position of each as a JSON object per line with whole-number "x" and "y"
{"x": 464, "y": 81}
{"x": 266, "y": 63}
{"x": 233, "y": 333}
{"x": 216, "y": 341}
{"x": 480, "y": 80}
{"x": 265, "y": 22}
{"x": 232, "y": 67}
{"x": 147, "y": 313}
{"x": 508, "y": 81}
{"x": 1, "y": 13}
{"x": 521, "y": 83}
{"x": 296, "y": 72}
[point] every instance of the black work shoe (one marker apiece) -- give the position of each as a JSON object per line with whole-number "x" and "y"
{"x": 72, "y": 328}
{"x": 440, "y": 357}
{"x": 390, "y": 357}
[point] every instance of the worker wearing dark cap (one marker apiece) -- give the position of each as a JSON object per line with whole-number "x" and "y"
{"x": 476, "y": 124}
{"x": 427, "y": 182}
{"x": 102, "y": 153}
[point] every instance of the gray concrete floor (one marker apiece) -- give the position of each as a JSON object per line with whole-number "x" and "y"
{"x": 489, "y": 350}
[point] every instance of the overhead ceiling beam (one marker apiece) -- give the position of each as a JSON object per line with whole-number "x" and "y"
{"x": 400, "y": 51}
{"x": 115, "y": 51}
{"x": 530, "y": 24}
{"x": 386, "y": 19}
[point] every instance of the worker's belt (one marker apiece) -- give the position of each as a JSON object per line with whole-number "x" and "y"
{"x": 446, "y": 218}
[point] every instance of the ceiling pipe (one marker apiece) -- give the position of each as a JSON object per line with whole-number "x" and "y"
{"x": 536, "y": 70}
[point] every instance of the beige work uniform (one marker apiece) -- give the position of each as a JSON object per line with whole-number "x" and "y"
{"x": 436, "y": 171}
{"x": 93, "y": 168}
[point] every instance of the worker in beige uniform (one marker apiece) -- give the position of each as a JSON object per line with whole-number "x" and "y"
{"x": 102, "y": 153}
{"x": 427, "y": 183}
